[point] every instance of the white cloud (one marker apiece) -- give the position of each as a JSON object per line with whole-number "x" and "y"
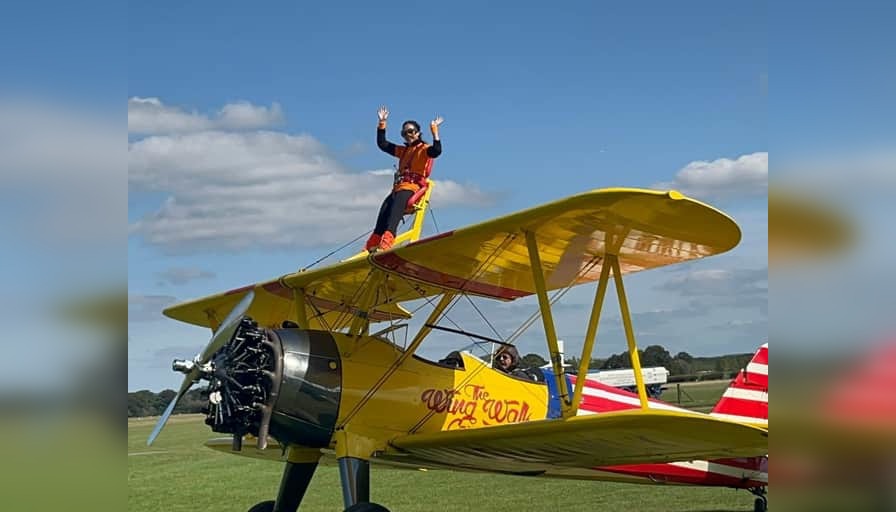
{"x": 150, "y": 116}
{"x": 240, "y": 190}
{"x": 183, "y": 275}
{"x": 745, "y": 176}
{"x": 720, "y": 283}
{"x": 450, "y": 193}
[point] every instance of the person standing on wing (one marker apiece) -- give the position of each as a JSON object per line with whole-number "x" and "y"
{"x": 414, "y": 165}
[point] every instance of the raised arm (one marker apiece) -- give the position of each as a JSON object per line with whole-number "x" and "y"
{"x": 436, "y": 148}
{"x": 381, "y": 142}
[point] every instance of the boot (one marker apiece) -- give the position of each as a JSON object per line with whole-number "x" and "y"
{"x": 386, "y": 241}
{"x": 372, "y": 243}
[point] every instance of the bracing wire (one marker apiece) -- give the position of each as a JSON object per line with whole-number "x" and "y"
{"x": 497, "y": 334}
{"x": 322, "y": 258}
{"x": 432, "y": 215}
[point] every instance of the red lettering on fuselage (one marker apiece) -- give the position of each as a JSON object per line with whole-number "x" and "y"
{"x": 473, "y": 405}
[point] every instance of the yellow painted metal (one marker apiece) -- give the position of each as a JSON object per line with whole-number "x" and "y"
{"x": 359, "y": 442}
{"x": 426, "y": 396}
{"x": 591, "y": 334}
{"x": 301, "y": 308}
{"x": 413, "y": 234}
{"x": 408, "y": 352}
{"x": 629, "y": 331}
{"x": 660, "y": 229}
{"x": 368, "y": 296}
{"x": 547, "y": 319}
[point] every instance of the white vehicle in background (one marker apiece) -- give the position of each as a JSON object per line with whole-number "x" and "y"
{"x": 654, "y": 378}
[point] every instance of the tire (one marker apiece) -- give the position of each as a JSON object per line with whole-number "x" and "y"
{"x": 760, "y": 505}
{"x": 366, "y": 507}
{"x": 264, "y": 506}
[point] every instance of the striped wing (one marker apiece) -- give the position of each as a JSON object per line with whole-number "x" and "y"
{"x": 746, "y": 399}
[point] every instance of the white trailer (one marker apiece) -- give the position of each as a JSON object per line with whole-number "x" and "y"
{"x": 654, "y": 378}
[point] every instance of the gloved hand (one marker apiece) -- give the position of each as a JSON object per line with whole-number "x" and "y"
{"x": 434, "y": 126}
{"x": 383, "y": 114}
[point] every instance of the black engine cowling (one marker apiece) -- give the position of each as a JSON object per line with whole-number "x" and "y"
{"x": 282, "y": 382}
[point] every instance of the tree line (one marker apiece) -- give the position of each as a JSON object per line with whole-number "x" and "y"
{"x": 681, "y": 366}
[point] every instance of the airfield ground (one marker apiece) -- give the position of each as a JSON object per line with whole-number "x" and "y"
{"x": 178, "y": 474}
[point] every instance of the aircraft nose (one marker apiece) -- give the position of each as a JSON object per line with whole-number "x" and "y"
{"x": 310, "y": 388}
{"x": 282, "y": 382}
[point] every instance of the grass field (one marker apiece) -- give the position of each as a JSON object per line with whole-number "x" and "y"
{"x": 178, "y": 474}
{"x": 699, "y": 396}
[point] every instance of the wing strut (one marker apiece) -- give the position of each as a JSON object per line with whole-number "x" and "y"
{"x": 361, "y": 322}
{"x": 591, "y": 333}
{"x": 446, "y": 300}
{"x": 569, "y": 402}
{"x": 629, "y": 331}
{"x": 548, "y": 320}
{"x": 610, "y": 263}
{"x": 301, "y": 309}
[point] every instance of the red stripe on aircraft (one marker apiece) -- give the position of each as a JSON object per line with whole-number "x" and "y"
{"x": 607, "y": 404}
{"x": 394, "y": 263}
{"x": 240, "y": 290}
{"x": 678, "y": 474}
{"x": 740, "y": 407}
{"x": 761, "y": 356}
{"x": 745, "y": 380}
{"x": 278, "y": 289}
{"x": 431, "y": 238}
{"x": 755, "y": 381}
{"x": 750, "y": 463}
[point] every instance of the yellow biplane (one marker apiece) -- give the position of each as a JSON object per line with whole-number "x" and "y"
{"x": 294, "y": 370}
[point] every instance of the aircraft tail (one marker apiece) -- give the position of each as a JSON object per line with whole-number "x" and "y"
{"x": 746, "y": 399}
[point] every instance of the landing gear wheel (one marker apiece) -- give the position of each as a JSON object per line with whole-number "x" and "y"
{"x": 760, "y": 505}
{"x": 366, "y": 507}
{"x": 264, "y": 506}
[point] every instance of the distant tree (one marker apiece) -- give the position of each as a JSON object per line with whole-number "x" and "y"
{"x": 679, "y": 367}
{"x": 532, "y": 361}
{"x": 655, "y": 355}
{"x": 621, "y": 360}
{"x": 141, "y": 403}
{"x": 684, "y": 356}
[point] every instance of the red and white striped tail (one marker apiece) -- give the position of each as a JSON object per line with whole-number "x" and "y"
{"x": 746, "y": 399}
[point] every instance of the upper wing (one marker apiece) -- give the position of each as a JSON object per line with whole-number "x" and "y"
{"x": 645, "y": 228}
{"x": 625, "y": 437}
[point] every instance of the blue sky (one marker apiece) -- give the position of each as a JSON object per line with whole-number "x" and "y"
{"x": 251, "y": 141}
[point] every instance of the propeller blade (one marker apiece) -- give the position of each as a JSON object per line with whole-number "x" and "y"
{"x": 227, "y": 328}
{"x": 222, "y": 335}
{"x": 184, "y": 387}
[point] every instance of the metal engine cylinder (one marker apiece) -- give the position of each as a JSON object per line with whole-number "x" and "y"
{"x": 282, "y": 382}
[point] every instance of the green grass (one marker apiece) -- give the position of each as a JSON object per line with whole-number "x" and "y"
{"x": 179, "y": 474}
{"x": 699, "y": 396}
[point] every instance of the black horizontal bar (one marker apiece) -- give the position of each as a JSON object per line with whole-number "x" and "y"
{"x": 465, "y": 333}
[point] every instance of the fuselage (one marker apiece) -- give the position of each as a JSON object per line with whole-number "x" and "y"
{"x": 331, "y": 381}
